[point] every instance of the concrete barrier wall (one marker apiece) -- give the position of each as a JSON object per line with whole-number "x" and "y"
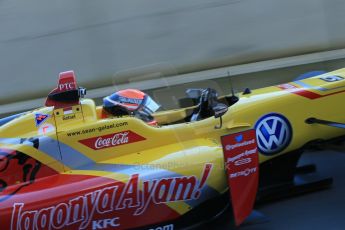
{"x": 107, "y": 41}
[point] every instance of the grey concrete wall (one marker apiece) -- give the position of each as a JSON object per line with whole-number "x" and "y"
{"x": 100, "y": 40}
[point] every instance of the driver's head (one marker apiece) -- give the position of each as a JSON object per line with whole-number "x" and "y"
{"x": 130, "y": 102}
{"x": 124, "y": 102}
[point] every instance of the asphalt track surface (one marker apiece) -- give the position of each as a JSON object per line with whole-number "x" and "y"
{"x": 319, "y": 210}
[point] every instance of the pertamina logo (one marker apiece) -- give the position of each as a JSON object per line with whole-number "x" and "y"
{"x": 273, "y": 133}
{"x": 112, "y": 140}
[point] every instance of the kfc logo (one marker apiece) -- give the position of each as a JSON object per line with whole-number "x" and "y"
{"x": 105, "y": 224}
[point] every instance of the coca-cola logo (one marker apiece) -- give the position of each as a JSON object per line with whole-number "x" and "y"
{"x": 112, "y": 140}
{"x": 117, "y": 139}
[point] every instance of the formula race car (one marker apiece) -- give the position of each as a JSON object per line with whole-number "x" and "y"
{"x": 64, "y": 166}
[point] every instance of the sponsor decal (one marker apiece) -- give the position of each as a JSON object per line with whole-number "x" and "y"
{"x": 243, "y": 154}
{"x": 273, "y": 133}
{"x": 165, "y": 227}
{"x": 106, "y": 223}
{"x": 40, "y": 118}
{"x": 243, "y": 161}
{"x": 244, "y": 173}
{"x": 130, "y": 100}
{"x": 66, "y": 86}
{"x": 239, "y": 138}
{"x": 332, "y": 78}
{"x": 67, "y": 110}
{"x": 303, "y": 89}
{"x": 242, "y": 166}
{"x": 287, "y": 86}
{"x": 80, "y": 211}
{"x": 68, "y": 117}
{"x": 112, "y": 140}
{"x": 68, "y": 113}
{"x": 97, "y": 129}
{"x": 46, "y": 128}
{"x": 239, "y": 145}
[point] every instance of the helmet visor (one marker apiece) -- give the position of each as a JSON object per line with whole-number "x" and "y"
{"x": 150, "y": 106}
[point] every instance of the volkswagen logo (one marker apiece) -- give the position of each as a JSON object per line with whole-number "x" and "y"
{"x": 273, "y": 133}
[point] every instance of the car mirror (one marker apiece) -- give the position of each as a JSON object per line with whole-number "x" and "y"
{"x": 219, "y": 110}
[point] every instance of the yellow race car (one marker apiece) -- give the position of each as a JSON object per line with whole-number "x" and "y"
{"x": 65, "y": 166}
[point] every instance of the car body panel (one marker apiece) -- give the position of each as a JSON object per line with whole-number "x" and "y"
{"x": 124, "y": 173}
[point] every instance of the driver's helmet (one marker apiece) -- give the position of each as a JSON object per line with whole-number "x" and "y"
{"x": 131, "y": 102}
